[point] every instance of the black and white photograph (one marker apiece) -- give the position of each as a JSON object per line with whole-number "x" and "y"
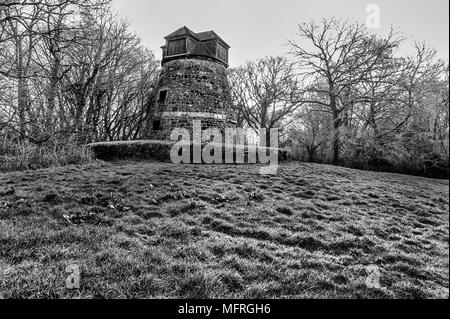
{"x": 209, "y": 150}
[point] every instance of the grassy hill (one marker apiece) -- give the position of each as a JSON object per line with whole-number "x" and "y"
{"x": 162, "y": 230}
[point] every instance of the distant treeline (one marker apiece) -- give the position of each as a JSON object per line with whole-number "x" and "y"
{"x": 347, "y": 97}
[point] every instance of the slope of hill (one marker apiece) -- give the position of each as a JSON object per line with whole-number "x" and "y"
{"x": 162, "y": 230}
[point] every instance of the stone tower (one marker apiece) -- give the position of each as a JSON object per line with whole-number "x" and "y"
{"x": 193, "y": 84}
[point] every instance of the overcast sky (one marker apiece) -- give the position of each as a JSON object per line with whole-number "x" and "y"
{"x": 256, "y": 28}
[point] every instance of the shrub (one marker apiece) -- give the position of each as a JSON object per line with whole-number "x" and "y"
{"x": 25, "y": 156}
{"x": 414, "y": 154}
{"x": 155, "y": 150}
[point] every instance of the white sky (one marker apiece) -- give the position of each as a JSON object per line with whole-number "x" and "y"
{"x": 256, "y": 28}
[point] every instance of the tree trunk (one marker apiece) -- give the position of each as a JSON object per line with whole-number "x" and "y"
{"x": 80, "y": 105}
{"x": 311, "y": 152}
{"x": 22, "y": 91}
{"x": 53, "y": 89}
{"x": 268, "y": 144}
{"x": 336, "y": 126}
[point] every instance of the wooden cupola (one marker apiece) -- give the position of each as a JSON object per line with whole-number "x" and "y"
{"x": 186, "y": 44}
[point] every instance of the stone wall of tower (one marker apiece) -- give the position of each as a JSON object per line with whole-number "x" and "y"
{"x": 196, "y": 89}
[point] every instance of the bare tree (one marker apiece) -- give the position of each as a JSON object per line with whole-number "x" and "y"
{"x": 76, "y": 70}
{"x": 266, "y": 92}
{"x": 311, "y": 131}
{"x": 336, "y": 56}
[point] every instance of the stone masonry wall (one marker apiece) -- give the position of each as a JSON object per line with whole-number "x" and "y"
{"x": 196, "y": 89}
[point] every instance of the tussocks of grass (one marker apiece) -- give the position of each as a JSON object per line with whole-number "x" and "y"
{"x": 31, "y": 157}
{"x": 153, "y": 230}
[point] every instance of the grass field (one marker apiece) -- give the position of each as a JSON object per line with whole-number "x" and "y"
{"x": 154, "y": 230}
